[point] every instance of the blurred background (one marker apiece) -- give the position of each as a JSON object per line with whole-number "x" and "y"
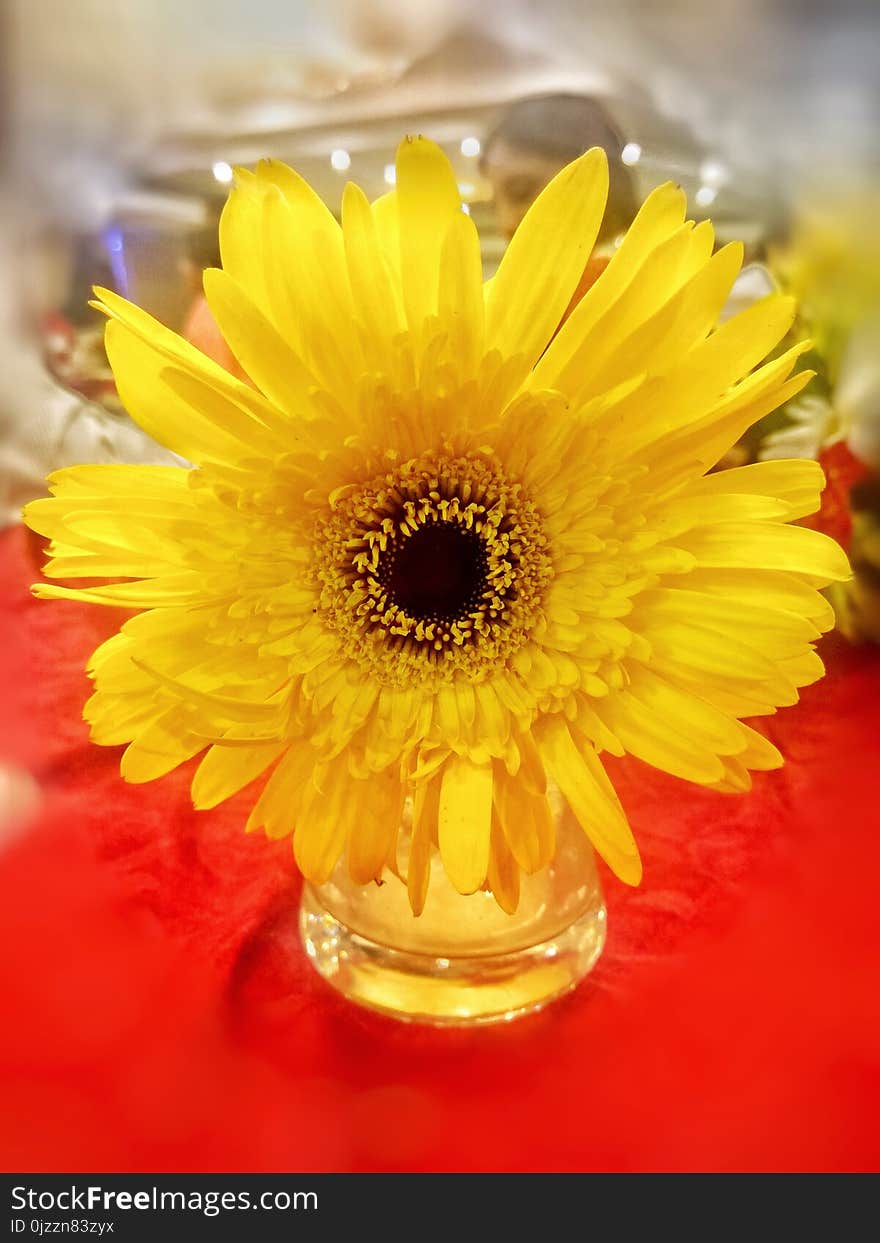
{"x": 122, "y": 122}
{"x": 123, "y": 119}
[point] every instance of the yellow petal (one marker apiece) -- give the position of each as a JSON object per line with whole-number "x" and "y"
{"x": 188, "y": 587}
{"x": 545, "y": 260}
{"x": 424, "y": 829}
{"x": 241, "y": 238}
{"x": 160, "y": 747}
{"x": 599, "y": 815}
{"x": 427, "y": 202}
{"x": 374, "y": 827}
{"x": 376, "y": 296}
{"x": 244, "y": 237}
{"x": 656, "y": 741}
{"x": 226, "y": 770}
{"x": 743, "y": 341}
{"x": 269, "y": 360}
{"x": 689, "y": 451}
{"x": 461, "y": 295}
{"x": 768, "y": 589}
{"x": 677, "y": 326}
{"x": 661, "y": 276}
{"x": 277, "y": 808}
{"x": 122, "y": 483}
{"x": 244, "y": 410}
{"x": 503, "y": 874}
{"x": 525, "y": 818}
{"x": 797, "y": 485}
{"x": 736, "y": 780}
{"x": 661, "y": 214}
{"x": 116, "y": 719}
{"x": 493, "y": 720}
{"x": 760, "y": 753}
{"x": 681, "y": 395}
{"x": 329, "y": 805}
{"x": 765, "y": 545}
{"x": 753, "y": 623}
{"x": 595, "y": 730}
{"x": 386, "y": 214}
{"x": 464, "y": 822}
{"x": 685, "y": 713}
{"x": 143, "y": 380}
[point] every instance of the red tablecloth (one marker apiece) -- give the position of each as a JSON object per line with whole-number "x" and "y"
{"x": 158, "y": 1013}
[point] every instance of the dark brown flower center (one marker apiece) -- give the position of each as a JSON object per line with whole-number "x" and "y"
{"x": 435, "y": 569}
{"x": 436, "y": 573}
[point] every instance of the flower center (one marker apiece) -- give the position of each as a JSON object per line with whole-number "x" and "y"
{"x": 437, "y": 573}
{"x": 434, "y": 570}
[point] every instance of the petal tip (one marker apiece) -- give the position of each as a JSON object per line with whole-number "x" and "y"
{"x": 629, "y": 869}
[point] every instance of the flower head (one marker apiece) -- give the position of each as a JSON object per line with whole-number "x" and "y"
{"x": 438, "y": 555}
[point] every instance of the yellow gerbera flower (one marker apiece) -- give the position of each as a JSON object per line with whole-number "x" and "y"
{"x": 437, "y": 556}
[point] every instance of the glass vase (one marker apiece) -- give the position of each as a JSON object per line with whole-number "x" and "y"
{"x": 462, "y": 961}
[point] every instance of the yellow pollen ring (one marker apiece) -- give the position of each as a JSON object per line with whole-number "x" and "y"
{"x": 434, "y": 570}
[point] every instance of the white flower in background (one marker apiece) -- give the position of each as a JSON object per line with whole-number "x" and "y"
{"x": 814, "y": 425}
{"x": 852, "y": 413}
{"x": 753, "y": 283}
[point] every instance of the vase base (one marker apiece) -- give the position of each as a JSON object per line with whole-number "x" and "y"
{"x": 460, "y": 991}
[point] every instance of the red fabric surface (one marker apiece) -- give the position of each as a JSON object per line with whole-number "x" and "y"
{"x": 159, "y": 1015}
{"x": 842, "y": 470}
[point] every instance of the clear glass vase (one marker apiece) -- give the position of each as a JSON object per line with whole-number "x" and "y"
{"x": 463, "y": 960}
